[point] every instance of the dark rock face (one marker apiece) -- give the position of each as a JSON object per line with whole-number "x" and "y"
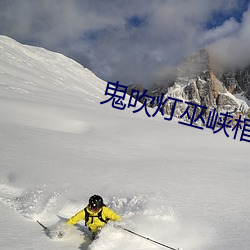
{"x": 237, "y": 81}
{"x": 135, "y": 87}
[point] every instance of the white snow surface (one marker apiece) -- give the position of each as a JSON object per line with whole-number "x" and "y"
{"x": 175, "y": 184}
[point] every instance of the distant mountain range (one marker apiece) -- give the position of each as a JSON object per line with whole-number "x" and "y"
{"x": 198, "y": 82}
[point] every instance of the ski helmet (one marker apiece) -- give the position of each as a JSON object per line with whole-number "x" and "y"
{"x": 95, "y": 202}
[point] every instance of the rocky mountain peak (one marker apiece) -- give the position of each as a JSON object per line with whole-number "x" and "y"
{"x": 197, "y": 64}
{"x": 196, "y": 82}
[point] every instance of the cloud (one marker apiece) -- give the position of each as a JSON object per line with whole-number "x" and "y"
{"x": 228, "y": 28}
{"x": 232, "y": 50}
{"x": 130, "y": 41}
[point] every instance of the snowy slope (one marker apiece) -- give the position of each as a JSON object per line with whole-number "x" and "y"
{"x": 178, "y": 185}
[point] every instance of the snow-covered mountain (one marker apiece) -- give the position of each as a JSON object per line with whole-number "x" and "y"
{"x": 37, "y": 75}
{"x": 237, "y": 81}
{"x": 198, "y": 82}
{"x": 26, "y": 69}
{"x": 175, "y": 184}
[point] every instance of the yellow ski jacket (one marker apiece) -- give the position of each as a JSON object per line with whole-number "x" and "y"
{"x": 94, "y": 223}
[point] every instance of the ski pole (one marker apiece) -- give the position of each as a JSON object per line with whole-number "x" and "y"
{"x": 45, "y": 228}
{"x": 146, "y": 238}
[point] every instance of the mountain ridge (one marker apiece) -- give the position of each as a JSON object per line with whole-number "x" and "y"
{"x": 198, "y": 82}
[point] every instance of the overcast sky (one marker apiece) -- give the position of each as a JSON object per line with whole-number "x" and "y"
{"x": 131, "y": 41}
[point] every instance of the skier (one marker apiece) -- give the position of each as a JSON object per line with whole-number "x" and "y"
{"x": 95, "y": 214}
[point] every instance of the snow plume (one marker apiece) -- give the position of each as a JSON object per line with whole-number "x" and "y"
{"x": 129, "y": 41}
{"x": 147, "y": 215}
{"x": 34, "y": 203}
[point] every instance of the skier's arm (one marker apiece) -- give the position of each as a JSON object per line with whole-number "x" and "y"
{"x": 110, "y": 214}
{"x": 77, "y": 217}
